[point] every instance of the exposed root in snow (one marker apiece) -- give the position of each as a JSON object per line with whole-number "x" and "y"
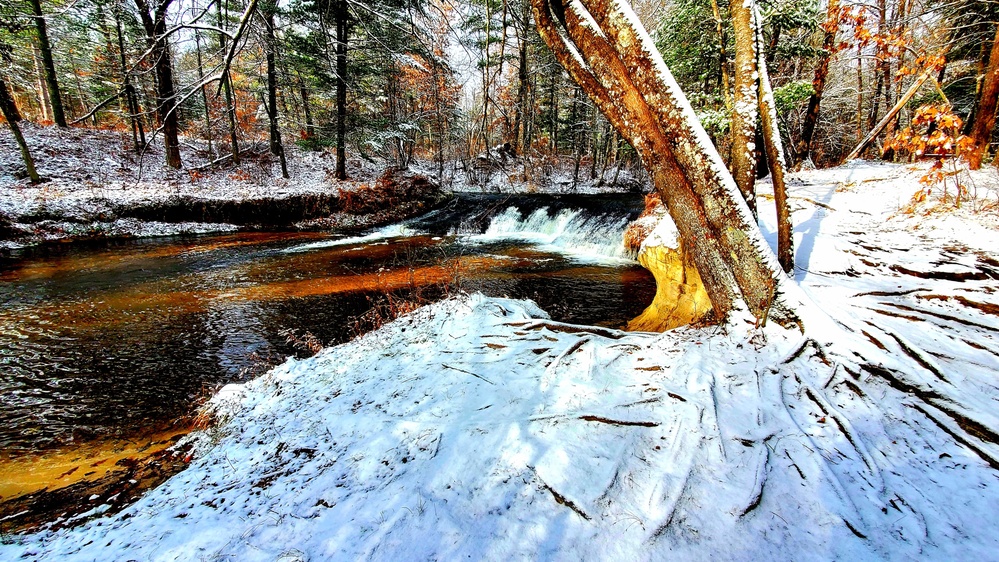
{"x": 569, "y": 328}
{"x": 559, "y": 498}
{"x": 982, "y": 306}
{"x": 957, "y": 276}
{"x": 624, "y": 423}
{"x": 941, "y": 316}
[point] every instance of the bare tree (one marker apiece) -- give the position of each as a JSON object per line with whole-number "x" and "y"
{"x": 831, "y": 25}
{"x": 12, "y": 116}
{"x": 775, "y": 152}
{"x": 343, "y": 25}
{"x": 48, "y": 63}
{"x": 746, "y": 102}
{"x": 153, "y": 19}
{"x": 268, "y": 11}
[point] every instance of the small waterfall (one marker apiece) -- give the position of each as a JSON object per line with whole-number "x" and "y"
{"x": 378, "y": 236}
{"x": 586, "y": 228}
{"x": 569, "y": 231}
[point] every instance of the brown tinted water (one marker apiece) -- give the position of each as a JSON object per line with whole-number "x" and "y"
{"x": 103, "y": 348}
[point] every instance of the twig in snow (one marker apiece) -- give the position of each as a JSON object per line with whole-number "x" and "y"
{"x": 559, "y": 498}
{"x": 445, "y": 365}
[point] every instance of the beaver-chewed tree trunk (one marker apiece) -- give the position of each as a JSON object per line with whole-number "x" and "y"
{"x": 610, "y": 55}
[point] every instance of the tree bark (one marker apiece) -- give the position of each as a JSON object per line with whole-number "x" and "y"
{"x": 10, "y": 111}
{"x": 618, "y": 66}
{"x": 722, "y": 56}
{"x": 131, "y": 100}
{"x": 12, "y": 117}
{"x": 277, "y": 149}
{"x": 154, "y": 23}
{"x": 230, "y": 106}
{"x": 523, "y": 81}
{"x": 775, "y": 155}
{"x": 342, "y": 35}
{"x": 985, "y": 119}
{"x": 744, "y": 113}
{"x": 43, "y": 89}
{"x": 204, "y": 94}
{"x": 310, "y": 126}
{"x": 45, "y": 49}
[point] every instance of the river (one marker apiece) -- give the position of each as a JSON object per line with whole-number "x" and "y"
{"x": 111, "y": 339}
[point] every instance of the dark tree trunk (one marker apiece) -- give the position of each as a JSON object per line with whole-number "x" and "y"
{"x": 831, "y": 25}
{"x": 985, "y": 119}
{"x": 523, "y": 80}
{"x": 204, "y": 94}
{"x": 342, "y": 35}
{"x": 272, "y": 110}
{"x": 10, "y": 113}
{"x": 154, "y": 23}
{"x": 230, "y": 106}
{"x": 131, "y": 100}
{"x": 45, "y": 49}
{"x": 310, "y": 126}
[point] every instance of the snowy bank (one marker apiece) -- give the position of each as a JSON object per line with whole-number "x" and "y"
{"x": 475, "y": 428}
{"x": 97, "y": 187}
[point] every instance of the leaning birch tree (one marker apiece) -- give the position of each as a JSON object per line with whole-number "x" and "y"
{"x": 607, "y": 51}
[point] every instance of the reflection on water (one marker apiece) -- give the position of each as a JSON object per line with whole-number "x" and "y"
{"x": 106, "y": 341}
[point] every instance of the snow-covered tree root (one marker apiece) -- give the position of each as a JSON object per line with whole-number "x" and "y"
{"x": 476, "y": 428}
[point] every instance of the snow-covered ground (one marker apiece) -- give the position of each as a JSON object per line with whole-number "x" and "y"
{"x": 475, "y": 428}
{"x": 86, "y": 166}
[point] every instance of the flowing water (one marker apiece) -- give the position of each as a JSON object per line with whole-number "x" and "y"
{"x": 107, "y": 340}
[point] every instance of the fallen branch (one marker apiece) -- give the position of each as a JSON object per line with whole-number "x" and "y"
{"x": 559, "y": 498}
{"x": 98, "y": 107}
{"x": 446, "y": 366}
{"x": 891, "y": 114}
{"x": 625, "y": 423}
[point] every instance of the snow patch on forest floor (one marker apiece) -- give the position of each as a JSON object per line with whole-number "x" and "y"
{"x": 85, "y": 165}
{"x": 476, "y": 428}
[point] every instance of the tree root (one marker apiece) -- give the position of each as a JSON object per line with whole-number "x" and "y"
{"x": 935, "y": 401}
{"x": 559, "y": 498}
{"x": 609, "y": 421}
{"x": 568, "y": 328}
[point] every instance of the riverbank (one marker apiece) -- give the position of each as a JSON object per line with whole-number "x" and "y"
{"x": 477, "y": 427}
{"x": 96, "y": 186}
